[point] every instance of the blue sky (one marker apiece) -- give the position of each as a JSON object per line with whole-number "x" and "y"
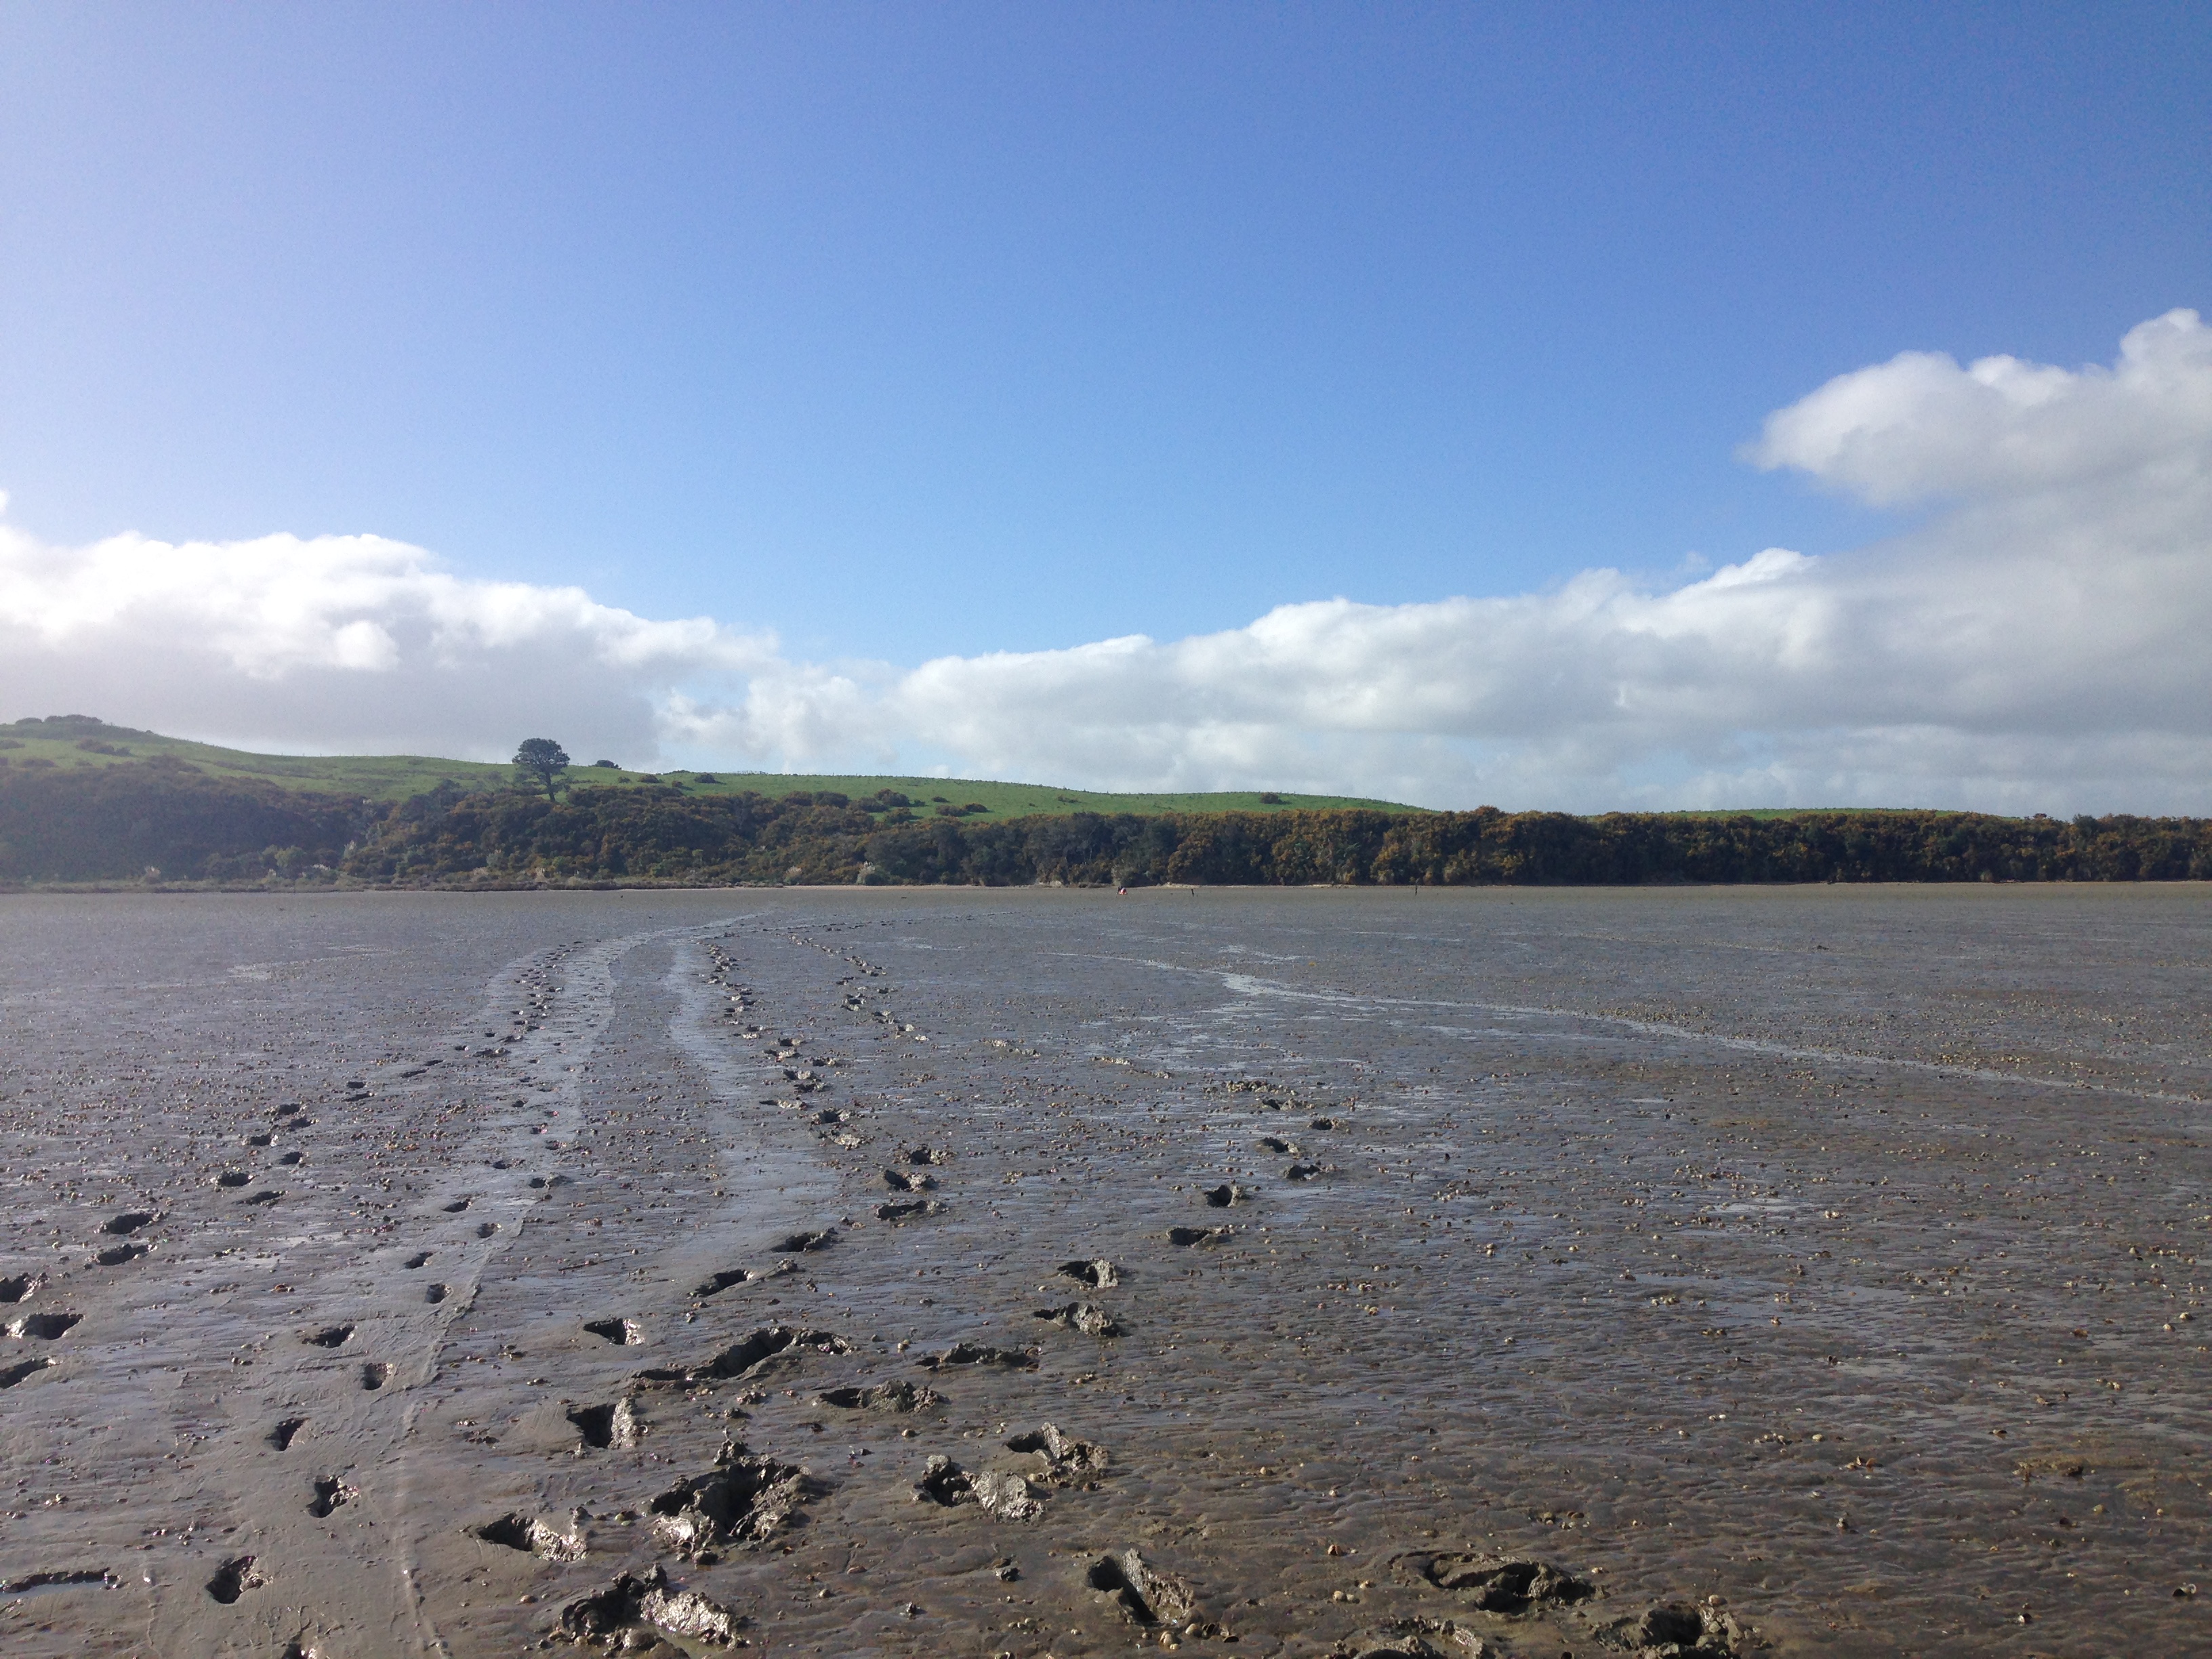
{"x": 909, "y": 332}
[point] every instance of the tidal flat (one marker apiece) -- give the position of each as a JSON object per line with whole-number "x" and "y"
{"x": 960, "y": 1271}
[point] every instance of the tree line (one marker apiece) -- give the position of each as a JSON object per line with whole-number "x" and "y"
{"x": 115, "y": 823}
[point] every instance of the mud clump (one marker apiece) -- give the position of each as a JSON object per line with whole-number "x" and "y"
{"x": 997, "y": 1492}
{"x": 1185, "y": 1235}
{"x": 331, "y": 1336}
{"x": 1067, "y": 1460}
{"x": 977, "y": 1353}
{"x": 797, "y": 1243}
{"x": 63, "y": 1580}
{"x": 635, "y": 1599}
{"x": 900, "y": 1181}
{"x": 45, "y": 1327}
{"x": 374, "y": 1373}
{"x": 233, "y": 1178}
{"x": 330, "y": 1493}
{"x": 419, "y": 1259}
{"x": 1221, "y": 1197}
{"x": 1100, "y": 1275}
{"x": 530, "y": 1536}
{"x": 882, "y": 1397}
{"x": 1087, "y": 1317}
{"x": 116, "y": 1255}
{"x": 22, "y": 1287}
{"x": 744, "y": 1357}
{"x": 743, "y": 1498}
{"x": 1417, "y": 1638}
{"x": 1510, "y": 1585}
{"x": 433, "y": 1294}
{"x": 623, "y": 1333}
{"x": 1675, "y": 1630}
{"x": 1144, "y": 1595}
{"x": 730, "y": 1276}
{"x": 267, "y": 1196}
{"x": 908, "y": 1211}
{"x": 234, "y": 1579}
{"x": 122, "y": 1227}
{"x": 285, "y": 1433}
{"x": 22, "y": 1370}
{"x": 602, "y": 1428}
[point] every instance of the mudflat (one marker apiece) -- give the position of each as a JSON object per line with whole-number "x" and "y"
{"x": 1684, "y": 1272}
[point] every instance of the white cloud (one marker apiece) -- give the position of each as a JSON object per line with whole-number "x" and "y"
{"x": 2038, "y": 643}
{"x": 337, "y": 643}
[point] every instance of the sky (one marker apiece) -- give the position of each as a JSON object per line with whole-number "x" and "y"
{"x": 1551, "y": 405}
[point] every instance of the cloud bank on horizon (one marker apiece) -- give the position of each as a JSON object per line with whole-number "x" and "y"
{"x": 2038, "y": 642}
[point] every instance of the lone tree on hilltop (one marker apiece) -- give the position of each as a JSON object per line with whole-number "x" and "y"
{"x": 540, "y": 762}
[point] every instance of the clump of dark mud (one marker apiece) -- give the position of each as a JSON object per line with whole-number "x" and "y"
{"x": 22, "y": 1370}
{"x": 532, "y": 1536}
{"x": 129, "y": 1222}
{"x": 234, "y": 1579}
{"x": 1067, "y": 1461}
{"x": 22, "y": 1287}
{"x": 902, "y": 1181}
{"x": 44, "y": 1326}
{"x": 1101, "y": 1275}
{"x": 977, "y": 1353}
{"x": 64, "y": 1579}
{"x": 1088, "y": 1317}
{"x": 638, "y": 1599}
{"x": 909, "y": 1210}
{"x": 330, "y": 1493}
{"x": 744, "y": 1498}
{"x": 116, "y": 1255}
{"x": 374, "y": 1373}
{"x": 1417, "y": 1638}
{"x": 1144, "y": 1594}
{"x": 999, "y": 1493}
{"x": 1675, "y": 1630}
{"x": 623, "y": 1333}
{"x": 329, "y": 1336}
{"x": 1198, "y": 1235}
{"x": 882, "y": 1397}
{"x": 1229, "y": 1192}
{"x": 285, "y": 1433}
{"x": 604, "y": 1427}
{"x": 795, "y": 1243}
{"x": 1511, "y": 1585}
{"x": 729, "y": 1276}
{"x": 744, "y": 1357}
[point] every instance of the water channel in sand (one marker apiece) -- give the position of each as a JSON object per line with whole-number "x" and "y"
{"x": 980, "y": 1273}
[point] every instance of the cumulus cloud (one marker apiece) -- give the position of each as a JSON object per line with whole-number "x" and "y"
{"x": 338, "y": 643}
{"x": 2036, "y": 643}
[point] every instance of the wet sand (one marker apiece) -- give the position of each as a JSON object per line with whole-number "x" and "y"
{"x": 973, "y": 1273}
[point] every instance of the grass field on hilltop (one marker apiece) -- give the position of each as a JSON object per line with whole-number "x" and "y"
{"x": 395, "y": 777}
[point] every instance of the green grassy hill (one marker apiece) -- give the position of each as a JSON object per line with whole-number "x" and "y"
{"x": 72, "y": 741}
